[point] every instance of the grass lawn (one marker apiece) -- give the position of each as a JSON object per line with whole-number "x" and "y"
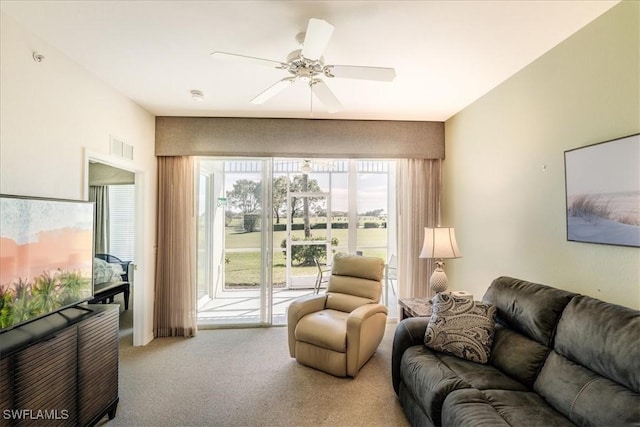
{"x": 243, "y": 267}
{"x": 367, "y": 237}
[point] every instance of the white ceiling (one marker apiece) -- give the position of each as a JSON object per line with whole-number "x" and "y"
{"x": 446, "y": 54}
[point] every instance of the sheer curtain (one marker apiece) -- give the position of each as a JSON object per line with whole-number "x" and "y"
{"x": 418, "y": 206}
{"x": 175, "y": 305}
{"x": 100, "y": 195}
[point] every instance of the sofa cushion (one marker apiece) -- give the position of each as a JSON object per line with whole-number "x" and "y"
{"x": 585, "y": 397}
{"x": 461, "y": 327}
{"x": 475, "y": 408}
{"x": 517, "y": 356}
{"x": 529, "y": 308}
{"x": 430, "y": 376}
{"x": 593, "y": 374}
{"x": 482, "y": 377}
{"x": 603, "y": 337}
{"x": 469, "y": 408}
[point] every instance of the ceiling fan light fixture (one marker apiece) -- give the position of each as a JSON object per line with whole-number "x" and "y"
{"x": 306, "y": 167}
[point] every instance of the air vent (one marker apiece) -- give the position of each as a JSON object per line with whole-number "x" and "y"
{"x": 120, "y": 148}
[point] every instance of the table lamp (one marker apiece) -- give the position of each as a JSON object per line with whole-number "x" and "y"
{"x": 439, "y": 243}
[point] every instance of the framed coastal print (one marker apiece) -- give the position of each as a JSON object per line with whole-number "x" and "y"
{"x": 603, "y": 192}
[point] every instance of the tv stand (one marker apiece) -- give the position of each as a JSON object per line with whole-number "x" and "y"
{"x": 61, "y": 369}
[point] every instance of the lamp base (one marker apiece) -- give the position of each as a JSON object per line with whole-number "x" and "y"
{"x": 438, "y": 281}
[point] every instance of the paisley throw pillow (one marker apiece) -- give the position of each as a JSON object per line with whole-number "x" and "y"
{"x": 461, "y": 327}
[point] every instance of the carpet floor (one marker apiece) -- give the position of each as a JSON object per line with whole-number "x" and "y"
{"x": 245, "y": 377}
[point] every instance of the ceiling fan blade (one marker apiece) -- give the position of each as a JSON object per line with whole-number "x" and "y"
{"x": 324, "y": 94}
{"x": 245, "y": 58}
{"x": 273, "y": 90}
{"x": 381, "y": 74}
{"x": 316, "y": 38}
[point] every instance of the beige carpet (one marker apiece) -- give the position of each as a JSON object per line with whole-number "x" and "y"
{"x": 245, "y": 377}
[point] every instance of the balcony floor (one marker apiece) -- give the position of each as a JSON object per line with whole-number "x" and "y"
{"x": 242, "y": 307}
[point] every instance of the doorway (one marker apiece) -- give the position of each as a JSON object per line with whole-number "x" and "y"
{"x": 117, "y": 232}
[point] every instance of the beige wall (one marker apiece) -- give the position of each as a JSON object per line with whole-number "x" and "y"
{"x": 54, "y": 111}
{"x": 504, "y": 168}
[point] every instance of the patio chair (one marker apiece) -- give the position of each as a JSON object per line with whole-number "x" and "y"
{"x": 323, "y": 275}
{"x": 390, "y": 276}
{"x": 337, "y": 332}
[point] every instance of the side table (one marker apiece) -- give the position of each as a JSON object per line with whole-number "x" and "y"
{"x": 414, "y": 307}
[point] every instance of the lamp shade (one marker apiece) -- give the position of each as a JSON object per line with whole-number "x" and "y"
{"x": 440, "y": 243}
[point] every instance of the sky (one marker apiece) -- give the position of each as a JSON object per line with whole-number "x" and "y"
{"x": 371, "y": 194}
{"x": 604, "y": 168}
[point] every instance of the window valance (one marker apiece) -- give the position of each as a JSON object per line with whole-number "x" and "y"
{"x": 228, "y": 136}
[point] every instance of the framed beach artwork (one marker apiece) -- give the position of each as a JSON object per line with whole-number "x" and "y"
{"x": 603, "y": 192}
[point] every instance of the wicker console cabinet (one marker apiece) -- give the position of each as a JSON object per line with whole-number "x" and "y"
{"x": 61, "y": 370}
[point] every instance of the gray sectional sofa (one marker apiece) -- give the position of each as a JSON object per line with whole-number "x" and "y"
{"x": 557, "y": 359}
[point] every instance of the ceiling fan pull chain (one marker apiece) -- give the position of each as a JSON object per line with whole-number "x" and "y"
{"x": 311, "y": 99}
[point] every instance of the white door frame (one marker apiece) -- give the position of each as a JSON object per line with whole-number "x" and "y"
{"x": 140, "y": 309}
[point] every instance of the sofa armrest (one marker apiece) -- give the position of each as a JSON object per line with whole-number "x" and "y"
{"x": 297, "y": 310}
{"x": 409, "y": 332}
{"x": 365, "y": 330}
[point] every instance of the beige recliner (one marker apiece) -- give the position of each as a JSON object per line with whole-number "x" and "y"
{"x": 338, "y": 332}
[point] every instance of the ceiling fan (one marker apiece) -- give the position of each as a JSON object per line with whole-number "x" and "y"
{"x": 307, "y": 165}
{"x": 308, "y": 63}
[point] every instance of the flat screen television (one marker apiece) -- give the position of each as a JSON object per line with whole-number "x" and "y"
{"x": 46, "y": 257}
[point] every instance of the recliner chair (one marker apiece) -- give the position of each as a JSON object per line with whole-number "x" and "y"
{"x": 337, "y": 332}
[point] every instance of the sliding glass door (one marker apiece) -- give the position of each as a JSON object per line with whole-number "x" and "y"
{"x": 265, "y": 226}
{"x": 234, "y": 273}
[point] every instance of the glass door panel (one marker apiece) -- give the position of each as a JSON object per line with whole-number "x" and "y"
{"x": 204, "y": 282}
{"x": 233, "y": 254}
{"x": 340, "y": 211}
{"x": 309, "y": 238}
{"x": 372, "y": 202}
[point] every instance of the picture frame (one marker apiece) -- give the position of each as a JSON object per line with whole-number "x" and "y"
{"x": 602, "y": 185}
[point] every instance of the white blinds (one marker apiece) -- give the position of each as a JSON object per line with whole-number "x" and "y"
{"x": 122, "y": 221}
